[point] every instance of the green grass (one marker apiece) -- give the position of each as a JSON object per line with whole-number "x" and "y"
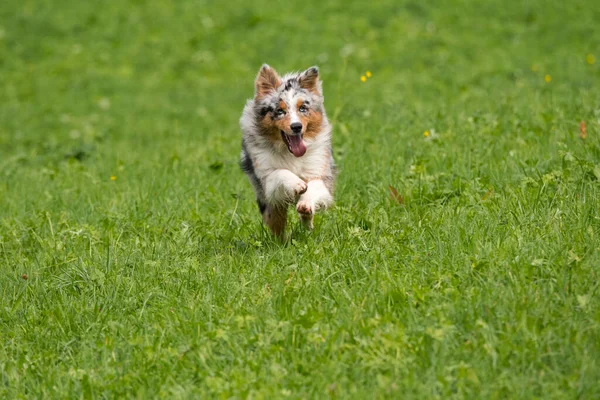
{"x": 164, "y": 283}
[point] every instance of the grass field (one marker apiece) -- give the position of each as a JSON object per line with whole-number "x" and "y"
{"x": 133, "y": 262}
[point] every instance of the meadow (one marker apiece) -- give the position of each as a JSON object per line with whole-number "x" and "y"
{"x": 459, "y": 261}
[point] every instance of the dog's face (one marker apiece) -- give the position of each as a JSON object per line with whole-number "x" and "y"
{"x": 289, "y": 109}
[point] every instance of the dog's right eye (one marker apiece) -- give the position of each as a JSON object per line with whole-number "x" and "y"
{"x": 279, "y": 113}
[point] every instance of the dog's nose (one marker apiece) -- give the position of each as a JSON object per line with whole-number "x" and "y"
{"x": 296, "y": 127}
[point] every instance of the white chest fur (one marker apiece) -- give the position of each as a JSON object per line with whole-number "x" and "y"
{"x": 310, "y": 166}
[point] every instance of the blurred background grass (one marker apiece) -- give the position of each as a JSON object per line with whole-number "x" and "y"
{"x": 170, "y": 77}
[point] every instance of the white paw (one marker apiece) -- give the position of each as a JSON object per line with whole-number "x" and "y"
{"x": 296, "y": 188}
{"x": 305, "y": 207}
{"x": 306, "y": 211}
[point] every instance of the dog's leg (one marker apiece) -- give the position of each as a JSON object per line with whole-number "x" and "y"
{"x": 316, "y": 197}
{"x": 276, "y": 217}
{"x": 307, "y": 220}
{"x": 283, "y": 187}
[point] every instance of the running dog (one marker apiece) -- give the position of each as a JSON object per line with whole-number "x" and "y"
{"x": 286, "y": 147}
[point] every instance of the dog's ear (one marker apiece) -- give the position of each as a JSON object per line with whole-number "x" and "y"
{"x": 309, "y": 80}
{"x": 267, "y": 81}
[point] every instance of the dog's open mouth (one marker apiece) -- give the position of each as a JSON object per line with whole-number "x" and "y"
{"x": 294, "y": 143}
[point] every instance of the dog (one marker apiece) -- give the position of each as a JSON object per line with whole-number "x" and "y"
{"x": 286, "y": 147}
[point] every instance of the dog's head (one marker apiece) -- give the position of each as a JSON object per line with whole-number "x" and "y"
{"x": 289, "y": 108}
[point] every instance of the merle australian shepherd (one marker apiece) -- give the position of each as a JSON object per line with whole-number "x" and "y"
{"x": 286, "y": 146}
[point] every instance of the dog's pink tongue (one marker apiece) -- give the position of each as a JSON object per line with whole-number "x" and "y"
{"x": 297, "y": 145}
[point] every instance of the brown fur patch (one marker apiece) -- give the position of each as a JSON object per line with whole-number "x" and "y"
{"x": 283, "y": 124}
{"x": 272, "y": 128}
{"x": 276, "y": 218}
{"x": 269, "y": 130}
{"x": 266, "y": 81}
{"x": 282, "y": 105}
{"x": 299, "y": 103}
{"x": 313, "y": 122}
{"x": 309, "y": 80}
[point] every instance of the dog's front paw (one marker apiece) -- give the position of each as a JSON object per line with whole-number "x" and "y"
{"x": 306, "y": 211}
{"x": 296, "y": 188}
{"x": 305, "y": 208}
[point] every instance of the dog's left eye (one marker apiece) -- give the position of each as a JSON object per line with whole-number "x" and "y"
{"x": 279, "y": 112}
{"x": 303, "y": 108}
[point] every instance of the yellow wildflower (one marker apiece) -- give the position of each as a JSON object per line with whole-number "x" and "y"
{"x": 363, "y": 78}
{"x": 590, "y": 59}
{"x": 368, "y": 74}
{"x": 113, "y": 178}
{"x": 426, "y": 133}
{"x": 548, "y": 78}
